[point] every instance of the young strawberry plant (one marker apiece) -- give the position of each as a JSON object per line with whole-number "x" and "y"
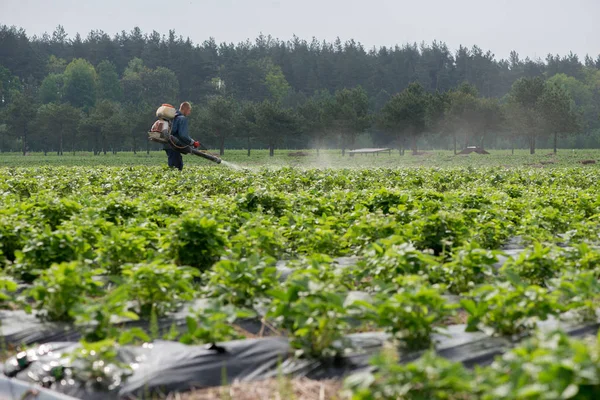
{"x": 429, "y": 377}
{"x": 197, "y": 241}
{"x": 125, "y": 245}
{"x": 411, "y": 313}
{"x": 580, "y": 291}
{"x": 158, "y": 287}
{"x": 97, "y": 319}
{"x": 7, "y": 287}
{"x": 212, "y": 325}
{"x": 510, "y": 307}
{"x": 440, "y": 232}
{"x": 537, "y": 264}
{"x": 549, "y": 366}
{"x": 388, "y": 258}
{"x": 468, "y": 266}
{"x": 47, "y": 248}
{"x": 60, "y": 288}
{"x": 98, "y": 366}
{"x": 314, "y": 317}
{"x": 13, "y": 236}
{"x": 53, "y": 212}
{"x": 242, "y": 283}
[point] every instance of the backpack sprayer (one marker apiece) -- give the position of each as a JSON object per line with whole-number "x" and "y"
{"x": 161, "y": 133}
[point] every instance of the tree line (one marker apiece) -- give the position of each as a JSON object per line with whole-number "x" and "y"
{"x": 100, "y": 93}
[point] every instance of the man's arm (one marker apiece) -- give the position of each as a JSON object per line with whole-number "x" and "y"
{"x": 180, "y": 127}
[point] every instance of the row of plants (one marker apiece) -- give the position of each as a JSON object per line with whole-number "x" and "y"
{"x": 114, "y": 216}
{"x": 548, "y": 366}
{"x": 101, "y": 247}
{"x": 316, "y": 306}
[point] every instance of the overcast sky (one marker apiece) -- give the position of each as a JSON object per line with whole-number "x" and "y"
{"x": 533, "y": 28}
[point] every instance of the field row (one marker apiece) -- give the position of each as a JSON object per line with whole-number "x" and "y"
{"x": 93, "y": 246}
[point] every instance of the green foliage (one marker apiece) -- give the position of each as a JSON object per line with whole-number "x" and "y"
{"x": 580, "y": 290}
{"x": 218, "y": 118}
{"x": 13, "y": 235}
{"x": 60, "y": 288}
{"x": 99, "y": 365}
{"x": 468, "y": 267}
{"x": 132, "y": 245}
{"x": 212, "y": 325}
{"x": 7, "y": 286}
{"x": 276, "y": 83}
{"x": 314, "y": 316}
{"x": 440, "y": 231}
{"x": 242, "y": 283}
{"x": 158, "y": 287}
{"x": 46, "y": 248}
{"x": 406, "y": 113}
{"x": 256, "y": 237}
{"x": 80, "y": 84}
{"x": 350, "y": 114}
{"x": 537, "y": 264}
{"x": 550, "y": 366}
{"x": 509, "y": 308}
{"x": 97, "y": 317}
{"x": 412, "y": 312}
{"x": 274, "y": 122}
{"x": 197, "y": 241}
{"x": 109, "y": 87}
{"x": 388, "y": 258}
{"x": 52, "y": 89}
{"x": 54, "y": 212}
{"x": 430, "y": 377}
{"x": 263, "y": 200}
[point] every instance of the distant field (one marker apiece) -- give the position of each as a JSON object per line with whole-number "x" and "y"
{"x": 326, "y": 159}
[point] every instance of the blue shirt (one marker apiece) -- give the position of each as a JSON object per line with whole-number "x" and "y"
{"x": 180, "y": 129}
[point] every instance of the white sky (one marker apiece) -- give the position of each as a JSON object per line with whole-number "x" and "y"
{"x": 532, "y": 27}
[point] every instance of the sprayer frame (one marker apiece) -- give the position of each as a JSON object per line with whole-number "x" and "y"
{"x": 185, "y": 149}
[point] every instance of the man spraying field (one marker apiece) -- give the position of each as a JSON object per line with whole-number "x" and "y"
{"x": 171, "y": 130}
{"x": 180, "y": 130}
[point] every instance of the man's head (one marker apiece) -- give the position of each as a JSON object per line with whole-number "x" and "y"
{"x": 185, "y": 108}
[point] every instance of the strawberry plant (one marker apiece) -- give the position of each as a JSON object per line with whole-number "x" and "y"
{"x": 13, "y": 235}
{"x": 242, "y": 283}
{"x": 429, "y": 377}
{"x": 158, "y": 287}
{"x": 212, "y": 325}
{"x": 98, "y": 365}
{"x": 468, "y": 266}
{"x": 440, "y": 231}
{"x": 54, "y": 212}
{"x": 125, "y": 245}
{"x": 580, "y": 290}
{"x": 582, "y": 256}
{"x": 118, "y": 211}
{"x": 97, "y": 318}
{"x": 411, "y": 313}
{"x": 262, "y": 200}
{"x": 315, "y": 318}
{"x": 197, "y": 241}
{"x": 7, "y": 286}
{"x": 258, "y": 236}
{"x": 537, "y": 264}
{"x": 510, "y": 307}
{"x": 549, "y": 366}
{"x": 387, "y": 258}
{"x": 47, "y": 248}
{"x": 59, "y": 289}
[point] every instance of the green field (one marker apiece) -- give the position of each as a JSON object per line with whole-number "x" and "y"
{"x": 325, "y": 159}
{"x": 100, "y": 237}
